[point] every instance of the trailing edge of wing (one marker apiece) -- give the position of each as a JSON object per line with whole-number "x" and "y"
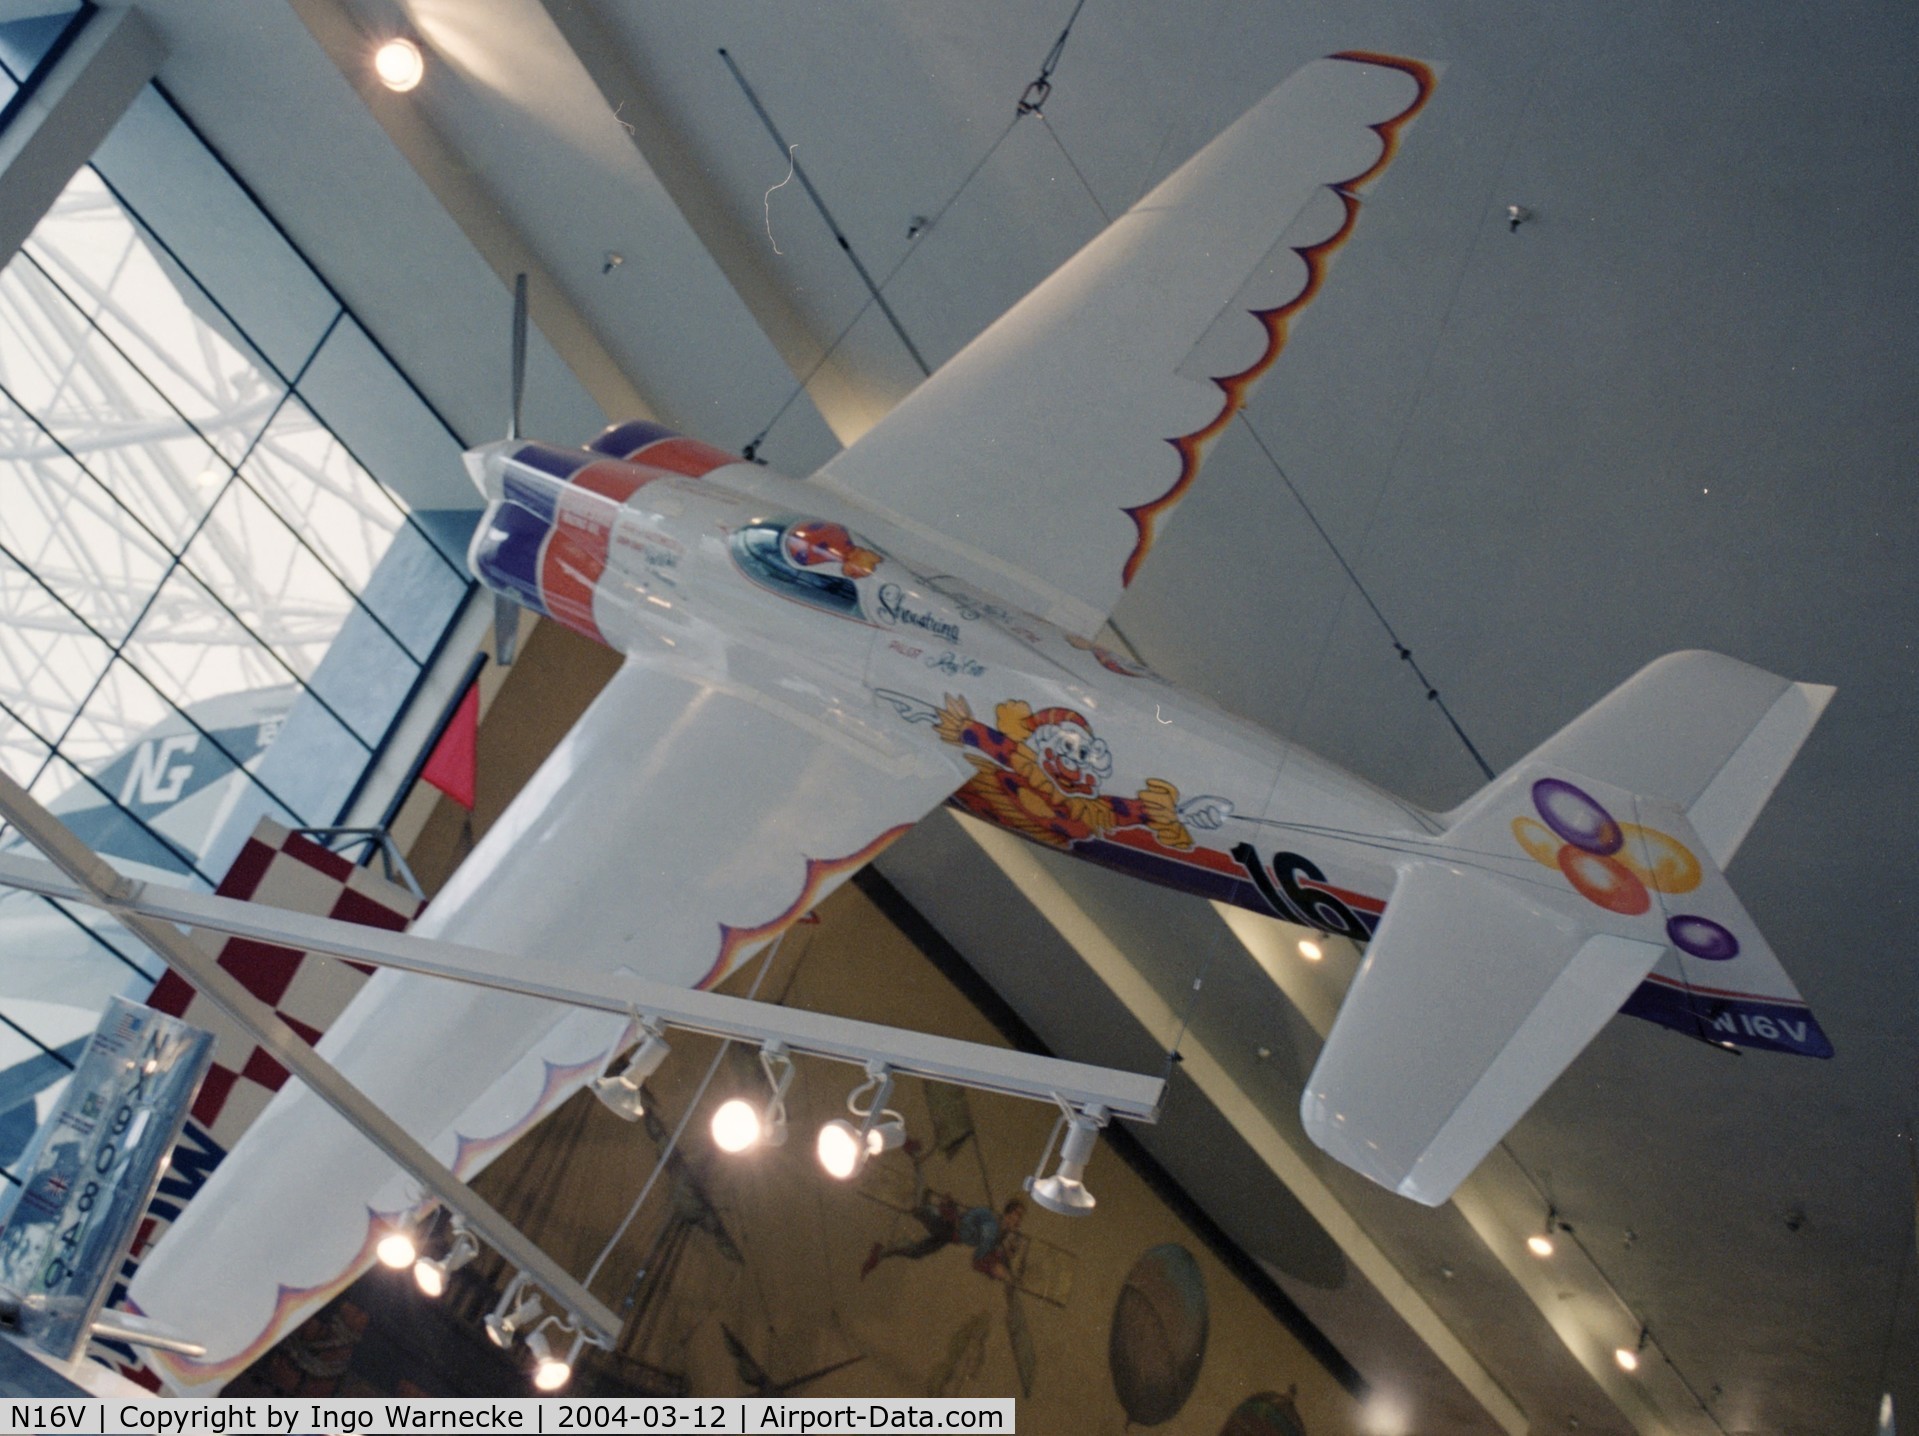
{"x": 1059, "y": 441}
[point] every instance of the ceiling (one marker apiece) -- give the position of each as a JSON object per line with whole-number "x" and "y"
{"x": 1671, "y": 409}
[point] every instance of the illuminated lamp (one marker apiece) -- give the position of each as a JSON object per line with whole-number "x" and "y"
{"x": 399, "y": 64}
{"x": 400, "y": 1247}
{"x": 738, "y": 1125}
{"x": 430, "y": 1273}
{"x": 551, "y": 1371}
{"x": 518, "y": 1308}
{"x": 843, "y": 1148}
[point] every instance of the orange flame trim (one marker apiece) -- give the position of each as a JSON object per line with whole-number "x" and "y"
{"x": 1318, "y": 257}
{"x": 819, "y": 872}
{"x": 467, "y": 1150}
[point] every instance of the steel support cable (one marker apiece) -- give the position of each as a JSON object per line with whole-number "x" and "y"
{"x": 751, "y": 451}
{"x": 1029, "y": 104}
{"x": 1405, "y": 653}
{"x": 673, "y": 1142}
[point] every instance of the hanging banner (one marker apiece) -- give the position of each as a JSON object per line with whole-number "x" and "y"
{"x": 93, "y": 1168}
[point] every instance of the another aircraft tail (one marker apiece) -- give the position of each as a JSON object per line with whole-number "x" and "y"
{"x": 1585, "y": 878}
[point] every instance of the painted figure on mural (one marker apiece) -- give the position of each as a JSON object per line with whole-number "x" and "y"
{"x": 992, "y": 1235}
{"x": 1040, "y": 774}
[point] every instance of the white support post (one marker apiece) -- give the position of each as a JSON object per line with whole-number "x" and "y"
{"x": 64, "y": 121}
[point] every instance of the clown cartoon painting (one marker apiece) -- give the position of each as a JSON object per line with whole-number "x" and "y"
{"x": 1041, "y": 774}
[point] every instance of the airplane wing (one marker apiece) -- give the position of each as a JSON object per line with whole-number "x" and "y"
{"x": 1050, "y": 452}
{"x": 679, "y": 828}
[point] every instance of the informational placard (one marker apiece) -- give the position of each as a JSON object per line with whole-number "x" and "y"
{"x": 93, "y": 1168}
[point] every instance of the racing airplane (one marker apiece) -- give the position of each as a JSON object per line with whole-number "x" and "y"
{"x": 813, "y": 665}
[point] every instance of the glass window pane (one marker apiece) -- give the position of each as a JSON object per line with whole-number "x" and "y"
{"x": 88, "y": 809}
{"x": 93, "y": 251}
{"x": 191, "y": 649}
{"x": 25, "y": 42}
{"x": 186, "y": 198}
{"x": 178, "y": 772}
{"x": 58, "y": 521}
{"x": 251, "y": 558}
{"x": 363, "y": 398}
{"x": 22, "y": 755}
{"x": 414, "y": 592}
{"x": 83, "y": 392}
{"x": 316, "y": 485}
{"x": 365, "y": 677}
{"x": 48, "y": 662}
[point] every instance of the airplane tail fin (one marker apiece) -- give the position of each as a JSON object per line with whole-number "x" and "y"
{"x": 1585, "y": 878}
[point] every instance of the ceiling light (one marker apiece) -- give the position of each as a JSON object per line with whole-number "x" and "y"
{"x": 739, "y": 1125}
{"x": 1310, "y": 950}
{"x": 1540, "y": 1244}
{"x": 399, "y": 65}
{"x": 1065, "y": 1191}
{"x": 1628, "y": 1356}
{"x": 430, "y": 1273}
{"x": 396, "y": 1250}
{"x": 400, "y": 1247}
{"x": 621, "y": 1091}
{"x": 843, "y": 1148}
{"x": 551, "y": 1371}
{"x": 513, "y": 1314}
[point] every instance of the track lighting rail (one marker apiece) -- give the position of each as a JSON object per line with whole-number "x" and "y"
{"x": 1132, "y": 1096}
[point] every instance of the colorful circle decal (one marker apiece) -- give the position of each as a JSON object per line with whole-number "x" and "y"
{"x": 1538, "y": 841}
{"x": 1613, "y": 864}
{"x": 1601, "y": 880}
{"x": 1575, "y": 816}
{"x": 1662, "y": 863}
{"x": 1702, "y": 937}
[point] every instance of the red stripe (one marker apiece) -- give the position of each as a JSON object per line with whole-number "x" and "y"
{"x": 1675, "y": 983}
{"x": 685, "y": 456}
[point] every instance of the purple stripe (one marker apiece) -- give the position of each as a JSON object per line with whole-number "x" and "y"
{"x": 623, "y": 439}
{"x": 507, "y": 557}
{"x": 533, "y": 494}
{"x": 1741, "y": 1021}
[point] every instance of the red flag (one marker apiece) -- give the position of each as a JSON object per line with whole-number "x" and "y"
{"x": 454, "y": 763}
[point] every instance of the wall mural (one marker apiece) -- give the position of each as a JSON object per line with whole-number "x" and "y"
{"x": 929, "y": 1274}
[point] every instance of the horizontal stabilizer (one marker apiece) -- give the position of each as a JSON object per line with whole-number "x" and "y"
{"x": 1474, "y": 996}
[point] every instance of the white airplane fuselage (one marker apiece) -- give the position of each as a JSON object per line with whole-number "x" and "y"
{"x": 738, "y": 575}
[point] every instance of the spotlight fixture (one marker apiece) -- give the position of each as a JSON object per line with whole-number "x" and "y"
{"x": 1540, "y": 1244}
{"x": 738, "y": 1124}
{"x": 1065, "y": 1192}
{"x": 551, "y": 1371}
{"x": 400, "y": 1247}
{"x": 518, "y": 1309}
{"x": 430, "y": 1273}
{"x": 399, "y": 64}
{"x": 842, "y": 1147}
{"x": 1310, "y": 949}
{"x": 621, "y": 1091}
{"x": 1628, "y": 1356}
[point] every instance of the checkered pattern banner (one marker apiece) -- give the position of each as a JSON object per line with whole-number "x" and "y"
{"x": 306, "y": 990}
